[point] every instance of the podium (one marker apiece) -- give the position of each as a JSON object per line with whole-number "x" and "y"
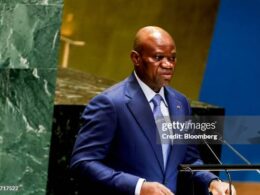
{"x": 189, "y": 168}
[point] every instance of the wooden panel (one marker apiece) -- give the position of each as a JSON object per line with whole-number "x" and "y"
{"x": 243, "y": 188}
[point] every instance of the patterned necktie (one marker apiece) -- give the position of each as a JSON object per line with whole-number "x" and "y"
{"x": 159, "y": 119}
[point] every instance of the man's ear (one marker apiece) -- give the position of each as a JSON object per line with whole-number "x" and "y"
{"x": 135, "y": 57}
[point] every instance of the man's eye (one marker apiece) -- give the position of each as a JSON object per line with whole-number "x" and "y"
{"x": 158, "y": 58}
{"x": 172, "y": 59}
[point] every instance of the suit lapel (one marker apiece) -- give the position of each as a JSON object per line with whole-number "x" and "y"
{"x": 140, "y": 109}
{"x": 175, "y": 107}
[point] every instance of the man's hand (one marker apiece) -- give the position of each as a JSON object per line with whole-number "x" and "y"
{"x": 154, "y": 188}
{"x": 220, "y": 188}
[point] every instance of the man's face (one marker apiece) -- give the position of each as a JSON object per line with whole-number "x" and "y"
{"x": 157, "y": 60}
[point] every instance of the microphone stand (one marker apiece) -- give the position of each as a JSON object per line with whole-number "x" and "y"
{"x": 238, "y": 153}
{"x": 219, "y": 161}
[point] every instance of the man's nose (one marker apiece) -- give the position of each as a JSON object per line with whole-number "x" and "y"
{"x": 166, "y": 63}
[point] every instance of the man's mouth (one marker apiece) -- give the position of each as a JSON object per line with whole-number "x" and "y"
{"x": 167, "y": 73}
{"x": 167, "y": 76}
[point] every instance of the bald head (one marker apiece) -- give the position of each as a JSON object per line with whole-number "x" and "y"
{"x": 154, "y": 56}
{"x": 150, "y": 34}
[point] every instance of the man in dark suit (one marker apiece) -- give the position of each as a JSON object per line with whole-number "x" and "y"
{"x": 116, "y": 150}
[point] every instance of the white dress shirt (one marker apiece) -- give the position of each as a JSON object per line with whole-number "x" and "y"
{"x": 149, "y": 94}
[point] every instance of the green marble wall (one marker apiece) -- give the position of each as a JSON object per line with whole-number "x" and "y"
{"x": 29, "y": 39}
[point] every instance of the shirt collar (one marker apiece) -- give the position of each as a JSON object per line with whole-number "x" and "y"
{"x": 148, "y": 92}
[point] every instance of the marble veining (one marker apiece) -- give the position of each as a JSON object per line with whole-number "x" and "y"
{"x": 29, "y": 39}
{"x": 26, "y": 106}
{"x": 34, "y": 2}
{"x": 29, "y": 35}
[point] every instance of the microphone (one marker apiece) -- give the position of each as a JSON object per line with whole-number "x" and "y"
{"x": 237, "y": 153}
{"x": 219, "y": 161}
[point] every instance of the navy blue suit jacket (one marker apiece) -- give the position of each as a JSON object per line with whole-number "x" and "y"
{"x": 117, "y": 144}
